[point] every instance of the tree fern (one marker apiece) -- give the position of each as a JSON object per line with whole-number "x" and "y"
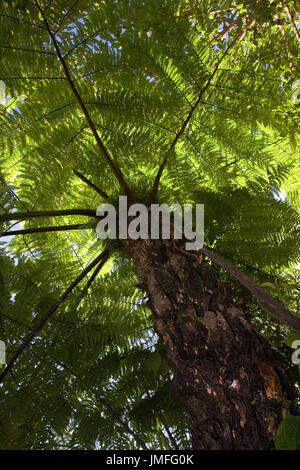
{"x": 166, "y": 101}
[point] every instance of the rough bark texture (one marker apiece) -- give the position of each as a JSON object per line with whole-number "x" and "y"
{"x": 233, "y": 392}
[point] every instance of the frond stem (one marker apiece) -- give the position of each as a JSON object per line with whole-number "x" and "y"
{"x": 58, "y": 228}
{"x": 91, "y": 184}
{"x": 54, "y": 213}
{"x": 116, "y": 171}
{"x": 154, "y": 191}
{"x": 49, "y": 313}
{"x": 276, "y": 308}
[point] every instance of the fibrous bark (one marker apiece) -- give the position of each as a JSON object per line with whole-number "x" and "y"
{"x": 233, "y": 391}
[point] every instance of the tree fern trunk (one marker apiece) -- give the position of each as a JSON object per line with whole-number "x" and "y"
{"x": 233, "y": 392}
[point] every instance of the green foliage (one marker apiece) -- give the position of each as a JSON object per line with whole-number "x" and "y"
{"x": 288, "y": 434}
{"x": 139, "y": 67}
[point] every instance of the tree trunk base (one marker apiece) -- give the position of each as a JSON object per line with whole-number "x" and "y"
{"x": 233, "y": 392}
